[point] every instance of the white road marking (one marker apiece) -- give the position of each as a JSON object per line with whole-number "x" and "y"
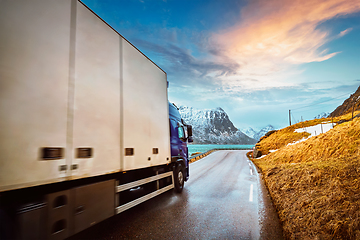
{"x": 251, "y": 193}
{"x": 251, "y": 171}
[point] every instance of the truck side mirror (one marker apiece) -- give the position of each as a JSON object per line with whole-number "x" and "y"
{"x": 189, "y": 130}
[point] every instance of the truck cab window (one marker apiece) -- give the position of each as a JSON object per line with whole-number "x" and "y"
{"x": 181, "y": 132}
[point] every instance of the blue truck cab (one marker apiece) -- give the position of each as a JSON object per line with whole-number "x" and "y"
{"x": 180, "y": 135}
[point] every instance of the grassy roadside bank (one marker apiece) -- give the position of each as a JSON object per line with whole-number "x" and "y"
{"x": 315, "y": 184}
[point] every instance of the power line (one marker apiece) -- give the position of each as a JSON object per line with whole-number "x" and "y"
{"x": 314, "y": 108}
{"x": 336, "y": 98}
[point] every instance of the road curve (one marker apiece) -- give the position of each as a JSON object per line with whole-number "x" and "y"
{"x": 223, "y": 199}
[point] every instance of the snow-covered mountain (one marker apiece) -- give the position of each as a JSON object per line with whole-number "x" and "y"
{"x": 250, "y": 132}
{"x": 257, "y": 134}
{"x": 322, "y": 115}
{"x": 213, "y": 126}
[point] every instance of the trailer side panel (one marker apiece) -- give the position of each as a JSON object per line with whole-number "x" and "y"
{"x": 34, "y": 76}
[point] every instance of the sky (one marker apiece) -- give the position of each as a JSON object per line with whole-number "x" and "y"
{"x": 256, "y": 59}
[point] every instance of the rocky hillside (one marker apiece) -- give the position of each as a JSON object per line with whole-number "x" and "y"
{"x": 347, "y": 106}
{"x": 213, "y": 126}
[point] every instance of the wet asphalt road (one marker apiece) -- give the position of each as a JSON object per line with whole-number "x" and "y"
{"x": 223, "y": 199}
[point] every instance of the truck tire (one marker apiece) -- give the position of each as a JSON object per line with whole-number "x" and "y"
{"x": 179, "y": 178}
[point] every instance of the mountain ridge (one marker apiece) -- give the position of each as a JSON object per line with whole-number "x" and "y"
{"x": 213, "y": 126}
{"x": 350, "y": 104}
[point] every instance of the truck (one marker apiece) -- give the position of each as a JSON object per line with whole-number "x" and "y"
{"x": 86, "y": 128}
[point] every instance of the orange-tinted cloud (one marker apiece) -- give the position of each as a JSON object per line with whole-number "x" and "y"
{"x": 346, "y": 31}
{"x": 273, "y": 35}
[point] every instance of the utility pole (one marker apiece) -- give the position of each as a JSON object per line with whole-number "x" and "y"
{"x": 290, "y": 117}
{"x": 322, "y": 131}
{"x": 352, "y": 115}
{"x": 302, "y": 123}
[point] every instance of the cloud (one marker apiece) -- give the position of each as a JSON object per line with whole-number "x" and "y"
{"x": 181, "y": 60}
{"x": 343, "y": 33}
{"x": 273, "y": 36}
{"x": 262, "y": 51}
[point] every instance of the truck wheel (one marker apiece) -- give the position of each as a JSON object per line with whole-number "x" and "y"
{"x": 179, "y": 178}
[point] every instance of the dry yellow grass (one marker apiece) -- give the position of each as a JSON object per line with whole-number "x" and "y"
{"x": 287, "y": 135}
{"x": 315, "y": 184}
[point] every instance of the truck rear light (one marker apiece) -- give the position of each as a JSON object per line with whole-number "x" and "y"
{"x": 129, "y": 151}
{"x": 84, "y": 152}
{"x": 51, "y": 153}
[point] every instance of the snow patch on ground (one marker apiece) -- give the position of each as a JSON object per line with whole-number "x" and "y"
{"x": 313, "y": 130}
{"x": 301, "y": 140}
{"x": 316, "y": 130}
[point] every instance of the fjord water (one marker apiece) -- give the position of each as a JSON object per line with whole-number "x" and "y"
{"x": 193, "y": 148}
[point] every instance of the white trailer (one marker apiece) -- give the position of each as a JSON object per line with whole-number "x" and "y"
{"x": 84, "y": 119}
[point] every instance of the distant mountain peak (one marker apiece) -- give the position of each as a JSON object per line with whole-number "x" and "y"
{"x": 257, "y": 134}
{"x": 322, "y": 115}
